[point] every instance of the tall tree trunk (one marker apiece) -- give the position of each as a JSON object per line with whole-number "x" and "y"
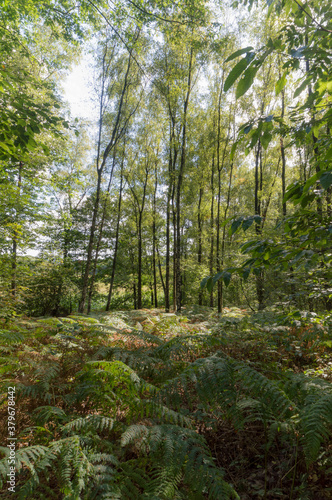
{"x": 220, "y": 167}
{"x": 223, "y": 241}
{"x": 154, "y": 241}
{"x": 15, "y": 234}
{"x": 212, "y": 230}
{"x": 179, "y": 188}
{"x": 314, "y": 138}
{"x": 160, "y": 272}
{"x": 100, "y": 235}
{"x": 283, "y": 158}
{"x": 116, "y": 242}
{"x": 258, "y": 187}
{"x": 135, "y": 295}
{"x": 199, "y": 253}
{"x": 115, "y": 136}
{"x": 170, "y": 206}
{"x": 139, "y": 277}
{"x": 140, "y": 210}
{"x": 174, "y": 247}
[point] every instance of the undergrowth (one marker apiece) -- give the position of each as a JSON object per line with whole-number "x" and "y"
{"x": 147, "y": 405}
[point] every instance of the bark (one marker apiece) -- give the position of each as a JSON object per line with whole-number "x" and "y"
{"x": 100, "y": 234}
{"x": 140, "y": 210}
{"x": 179, "y": 188}
{"x": 15, "y": 236}
{"x": 211, "y": 258}
{"x": 223, "y": 241}
{"x": 173, "y": 153}
{"x": 258, "y": 189}
{"x": 160, "y": 272}
{"x": 116, "y": 242}
{"x": 154, "y": 241}
{"x": 200, "y": 251}
{"x": 220, "y": 168}
{"x": 117, "y": 132}
{"x": 283, "y": 158}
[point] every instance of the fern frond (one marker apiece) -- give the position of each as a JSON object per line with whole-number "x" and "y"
{"x": 316, "y": 425}
{"x": 263, "y": 389}
{"x": 91, "y": 421}
{"x": 44, "y": 414}
{"x": 8, "y": 337}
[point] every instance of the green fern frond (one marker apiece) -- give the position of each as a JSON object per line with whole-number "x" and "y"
{"x": 8, "y": 337}
{"x": 140, "y": 334}
{"x": 151, "y": 409}
{"x": 139, "y": 360}
{"x": 316, "y": 425}
{"x": 91, "y": 421}
{"x": 44, "y": 414}
{"x": 263, "y": 389}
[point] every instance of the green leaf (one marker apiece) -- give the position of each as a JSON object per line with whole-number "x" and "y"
{"x": 245, "y": 273}
{"x": 209, "y": 284}
{"x": 266, "y": 139}
{"x": 233, "y": 149}
{"x": 281, "y": 83}
{"x": 298, "y": 53}
{"x": 239, "y": 53}
{"x": 246, "y": 80}
{"x": 303, "y": 85}
{"x": 227, "y": 277}
{"x": 247, "y": 223}
{"x": 235, "y": 225}
{"x": 204, "y": 281}
{"x": 235, "y": 73}
{"x": 326, "y": 179}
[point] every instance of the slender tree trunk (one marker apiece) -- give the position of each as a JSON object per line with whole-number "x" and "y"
{"x": 179, "y": 187}
{"x": 258, "y": 186}
{"x": 174, "y": 247}
{"x": 154, "y": 241}
{"x": 170, "y": 203}
{"x": 135, "y": 296}
{"x": 139, "y": 277}
{"x": 223, "y": 241}
{"x": 15, "y": 235}
{"x": 314, "y": 138}
{"x": 116, "y": 242}
{"x": 283, "y": 158}
{"x": 115, "y": 136}
{"x": 160, "y": 272}
{"x": 140, "y": 210}
{"x": 199, "y": 253}
{"x": 100, "y": 235}
{"x": 212, "y": 230}
{"x": 90, "y": 246}
{"x": 220, "y": 167}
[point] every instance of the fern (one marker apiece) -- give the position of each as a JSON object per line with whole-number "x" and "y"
{"x": 315, "y": 424}
{"x": 8, "y": 337}
{"x": 90, "y": 422}
{"x": 179, "y": 454}
{"x": 45, "y": 385}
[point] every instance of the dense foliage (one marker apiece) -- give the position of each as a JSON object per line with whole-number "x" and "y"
{"x": 201, "y": 189}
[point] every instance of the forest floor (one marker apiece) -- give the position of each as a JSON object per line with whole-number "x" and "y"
{"x": 265, "y": 452}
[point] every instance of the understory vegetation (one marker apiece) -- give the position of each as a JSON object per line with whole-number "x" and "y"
{"x": 145, "y": 404}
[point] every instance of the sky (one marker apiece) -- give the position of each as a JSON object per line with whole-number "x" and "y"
{"x": 77, "y": 89}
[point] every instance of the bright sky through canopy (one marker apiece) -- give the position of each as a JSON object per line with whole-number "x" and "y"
{"x": 77, "y": 90}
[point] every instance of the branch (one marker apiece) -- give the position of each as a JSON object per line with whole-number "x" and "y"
{"x": 144, "y": 11}
{"x": 311, "y": 17}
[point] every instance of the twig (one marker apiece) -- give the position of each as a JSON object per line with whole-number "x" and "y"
{"x": 312, "y": 18}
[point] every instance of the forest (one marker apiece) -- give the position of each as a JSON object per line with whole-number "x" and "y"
{"x": 165, "y": 264}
